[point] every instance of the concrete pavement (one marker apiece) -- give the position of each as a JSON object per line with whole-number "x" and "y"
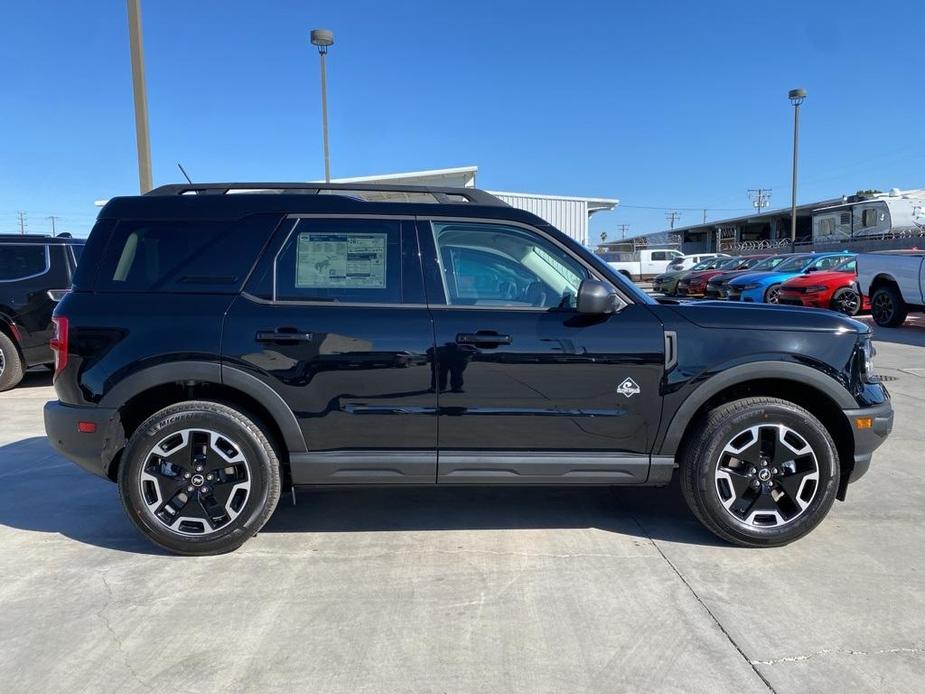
{"x": 464, "y": 590}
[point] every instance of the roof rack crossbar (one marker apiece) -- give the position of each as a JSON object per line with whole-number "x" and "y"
{"x": 442, "y": 194}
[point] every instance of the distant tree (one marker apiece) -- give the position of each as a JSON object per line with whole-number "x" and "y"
{"x": 603, "y": 236}
{"x": 871, "y": 192}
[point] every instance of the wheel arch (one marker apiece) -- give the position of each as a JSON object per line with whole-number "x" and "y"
{"x": 802, "y": 385}
{"x": 882, "y": 279}
{"x": 145, "y": 392}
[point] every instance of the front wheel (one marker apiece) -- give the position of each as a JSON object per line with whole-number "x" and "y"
{"x": 199, "y": 478}
{"x": 760, "y": 472}
{"x": 847, "y": 300}
{"x": 772, "y": 295}
{"x": 888, "y": 308}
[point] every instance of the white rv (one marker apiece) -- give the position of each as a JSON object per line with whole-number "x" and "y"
{"x": 880, "y": 215}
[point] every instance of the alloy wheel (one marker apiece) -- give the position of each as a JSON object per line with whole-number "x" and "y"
{"x": 772, "y": 297}
{"x": 883, "y": 307}
{"x": 195, "y": 481}
{"x": 2, "y": 362}
{"x": 767, "y": 476}
{"x": 848, "y": 302}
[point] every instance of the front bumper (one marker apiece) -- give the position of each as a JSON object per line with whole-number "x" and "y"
{"x": 92, "y": 451}
{"x": 867, "y": 440}
{"x": 815, "y": 300}
{"x": 752, "y": 295}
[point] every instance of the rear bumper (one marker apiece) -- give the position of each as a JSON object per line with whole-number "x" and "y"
{"x": 866, "y": 441}
{"x": 91, "y": 451}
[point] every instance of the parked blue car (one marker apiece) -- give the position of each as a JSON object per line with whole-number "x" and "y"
{"x": 763, "y": 287}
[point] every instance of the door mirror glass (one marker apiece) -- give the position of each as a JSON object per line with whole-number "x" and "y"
{"x": 597, "y": 298}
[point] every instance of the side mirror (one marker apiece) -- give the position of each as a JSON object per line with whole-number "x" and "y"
{"x": 595, "y": 297}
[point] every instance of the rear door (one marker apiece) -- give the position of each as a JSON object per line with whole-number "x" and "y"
{"x": 334, "y": 320}
{"x": 530, "y": 390}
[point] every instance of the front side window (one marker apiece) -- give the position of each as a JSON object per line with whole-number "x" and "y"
{"x": 492, "y": 265}
{"x": 19, "y": 261}
{"x": 829, "y": 262}
{"x": 659, "y": 255}
{"x": 346, "y": 260}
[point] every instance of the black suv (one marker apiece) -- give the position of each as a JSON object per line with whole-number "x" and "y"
{"x": 224, "y": 342}
{"x": 35, "y": 272}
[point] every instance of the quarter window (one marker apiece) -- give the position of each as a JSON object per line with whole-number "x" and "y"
{"x": 19, "y": 261}
{"x": 869, "y": 218}
{"x": 491, "y": 265}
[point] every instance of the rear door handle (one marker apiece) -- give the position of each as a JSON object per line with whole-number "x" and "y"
{"x": 283, "y": 335}
{"x": 483, "y": 339}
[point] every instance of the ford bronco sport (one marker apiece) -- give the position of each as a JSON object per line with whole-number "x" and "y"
{"x": 223, "y": 342}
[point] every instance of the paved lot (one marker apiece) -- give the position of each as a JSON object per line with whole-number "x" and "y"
{"x": 464, "y": 590}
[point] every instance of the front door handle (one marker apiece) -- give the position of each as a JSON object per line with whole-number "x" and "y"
{"x": 483, "y": 339}
{"x": 283, "y": 335}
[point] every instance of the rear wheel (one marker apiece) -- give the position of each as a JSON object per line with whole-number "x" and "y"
{"x": 846, "y": 300}
{"x": 772, "y": 295}
{"x": 887, "y": 307}
{"x": 199, "y": 478}
{"x": 760, "y": 472}
{"x": 11, "y": 366}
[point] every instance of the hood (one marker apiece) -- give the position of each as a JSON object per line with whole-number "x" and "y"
{"x": 669, "y": 275}
{"x": 747, "y": 316}
{"x": 820, "y": 278}
{"x": 749, "y": 277}
{"x": 730, "y": 275}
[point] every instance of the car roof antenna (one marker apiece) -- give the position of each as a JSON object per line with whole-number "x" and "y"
{"x": 185, "y": 175}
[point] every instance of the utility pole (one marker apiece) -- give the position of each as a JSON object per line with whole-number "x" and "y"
{"x": 760, "y": 197}
{"x": 623, "y": 229}
{"x": 52, "y": 218}
{"x": 797, "y": 97}
{"x": 704, "y": 215}
{"x": 22, "y": 222}
{"x": 672, "y": 217}
{"x": 142, "y": 139}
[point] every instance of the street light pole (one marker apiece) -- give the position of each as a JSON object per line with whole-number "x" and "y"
{"x": 322, "y": 38}
{"x": 796, "y": 98}
{"x": 140, "y": 93}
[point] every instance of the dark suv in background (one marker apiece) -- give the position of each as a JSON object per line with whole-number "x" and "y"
{"x": 223, "y": 342}
{"x": 35, "y": 272}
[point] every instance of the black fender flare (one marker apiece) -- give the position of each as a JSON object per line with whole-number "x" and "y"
{"x": 218, "y": 374}
{"x": 753, "y": 371}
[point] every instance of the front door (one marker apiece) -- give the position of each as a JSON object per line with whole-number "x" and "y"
{"x": 334, "y": 321}
{"x": 529, "y": 389}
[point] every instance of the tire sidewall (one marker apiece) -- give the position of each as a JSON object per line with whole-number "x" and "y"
{"x": 262, "y": 466}
{"x": 826, "y": 457}
{"x": 12, "y": 363}
{"x": 896, "y": 316}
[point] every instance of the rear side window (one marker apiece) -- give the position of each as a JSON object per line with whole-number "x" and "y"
{"x": 349, "y": 260}
{"x": 21, "y": 261}
{"x": 182, "y": 257}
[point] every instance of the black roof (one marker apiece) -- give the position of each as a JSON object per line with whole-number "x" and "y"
{"x": 38, "y": 238}
{"x": 222, "y": 201}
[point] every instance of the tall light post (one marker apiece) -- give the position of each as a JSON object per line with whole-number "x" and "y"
{"x": 140, "y": 93}
{"x": 796, "y": 98}
{"x": 324, "y": 38}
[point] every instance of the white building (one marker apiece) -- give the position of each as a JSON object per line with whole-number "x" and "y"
{"x": 567, "y": 213}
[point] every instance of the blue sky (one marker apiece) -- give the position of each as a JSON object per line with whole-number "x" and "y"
{"x": 660, "y": 104}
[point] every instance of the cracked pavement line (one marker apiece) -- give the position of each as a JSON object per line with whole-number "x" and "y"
{"x": 752, "y": 664}
{"x": 837, "y": 651}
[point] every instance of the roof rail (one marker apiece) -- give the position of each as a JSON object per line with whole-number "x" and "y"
{"x": 450, "y": 195}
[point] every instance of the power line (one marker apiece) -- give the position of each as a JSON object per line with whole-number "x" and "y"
{"x": 760, "y": 197}
{"x": 685, "y": 209}
{"x": 22, "y": 221}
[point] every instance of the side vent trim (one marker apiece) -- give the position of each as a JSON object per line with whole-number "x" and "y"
{"x": 671, "y": 349}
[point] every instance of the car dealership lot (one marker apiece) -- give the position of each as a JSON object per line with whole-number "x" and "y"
{"x": 455, "y": 590}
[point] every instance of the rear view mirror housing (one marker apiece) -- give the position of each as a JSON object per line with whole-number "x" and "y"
{"x": 597, "y": 298}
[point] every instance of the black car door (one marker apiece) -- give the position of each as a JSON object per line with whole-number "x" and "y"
{"x": 334, "y": 320}
{"x": 529, "y": 389}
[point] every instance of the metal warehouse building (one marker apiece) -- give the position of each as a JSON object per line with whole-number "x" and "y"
{"x": 567, "y": 213}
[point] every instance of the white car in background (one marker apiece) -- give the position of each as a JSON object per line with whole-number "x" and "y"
{"x": 895, "y": 283}
{"x": 644, "y": 264}
{"x": 686, "y": 262}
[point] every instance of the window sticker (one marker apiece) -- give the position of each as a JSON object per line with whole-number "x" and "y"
{"x": 342, "y": 261}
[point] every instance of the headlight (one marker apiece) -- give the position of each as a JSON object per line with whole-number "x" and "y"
{"x": 814, "y": 289}
{"x": 750, "y": 286}
{"x": 868, "y": 351}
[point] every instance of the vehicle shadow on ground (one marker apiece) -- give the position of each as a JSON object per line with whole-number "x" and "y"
{"x": 40, "y": 491}
{"x": 39, "y": 377}
{"x": 911, "y": 333}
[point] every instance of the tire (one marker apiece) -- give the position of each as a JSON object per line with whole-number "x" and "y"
{"x": 159, "y": 468}
{"x": 11, "y": 366}
{"x": 770, "y": 295}
{"x": 719, "y": 488}
{"x": 846, "y": 300}
{"x": 887, "y": 307}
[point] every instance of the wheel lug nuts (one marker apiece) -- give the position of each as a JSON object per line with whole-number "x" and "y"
{"x": 187, "y": 476}
{"x": 751, "y": 471}
{"x": 756, "y": 484}
{"x": 208, "y": 477}
{"x": 190, "y": 488}
{"x": 199, "y": 468}
{"x": 205, "y": 490}
{"x": 775, "y": 471}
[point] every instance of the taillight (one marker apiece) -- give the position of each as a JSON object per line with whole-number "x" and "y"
{"x": 58, "y": 343}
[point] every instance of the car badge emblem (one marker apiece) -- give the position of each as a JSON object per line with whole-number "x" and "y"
{"x": 629, "y": 388}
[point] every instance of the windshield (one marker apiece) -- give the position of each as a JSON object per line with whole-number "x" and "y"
{"x": 704, "y": 264}
{"x": 730, "y": 263}
{"x": 769, "y": 263}
{"x": 794, "y": 263}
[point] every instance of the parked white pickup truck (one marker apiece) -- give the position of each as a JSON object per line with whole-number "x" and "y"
{"x": 645, "y": 264}
{"x": 894, "y": 282}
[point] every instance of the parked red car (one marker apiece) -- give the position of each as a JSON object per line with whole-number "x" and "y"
{"x": 695, "y": 283}
{"x": 836, "y": 289}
